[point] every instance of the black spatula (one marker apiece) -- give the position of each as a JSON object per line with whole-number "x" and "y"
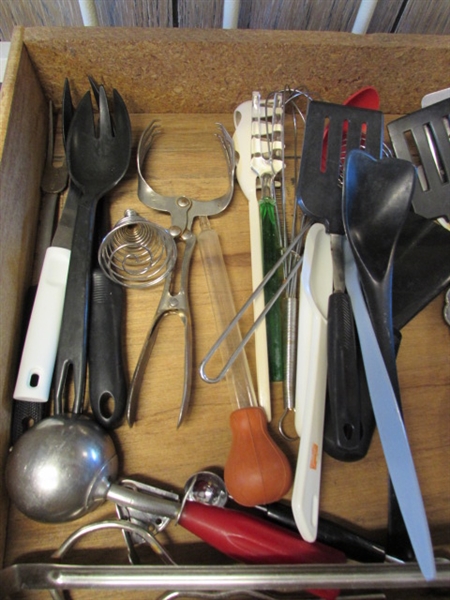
{"x": 348, "y": 426}
{"x": 426, "y": 133}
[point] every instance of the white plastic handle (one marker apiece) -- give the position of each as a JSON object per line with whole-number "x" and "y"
{"x": 41, "y": 343}
{"x": 315, "y": 289}
{"x": 247, "y": 182}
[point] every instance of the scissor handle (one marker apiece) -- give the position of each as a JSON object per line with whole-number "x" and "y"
{"x": 170, "y": 304}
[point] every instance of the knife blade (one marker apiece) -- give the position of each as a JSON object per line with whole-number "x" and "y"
{"x": 391, "y": 428}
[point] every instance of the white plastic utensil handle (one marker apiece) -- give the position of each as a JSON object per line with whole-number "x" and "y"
{"x": 391, "y": 427}
{"x": 316, "y": 285}
{"x": 247, "y": 182}
{"x": 41, "y": 343}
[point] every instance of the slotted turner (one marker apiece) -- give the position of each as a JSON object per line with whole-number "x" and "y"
{"x": 340, "y": 128}
{"x": 319, "y": 194}
{"x": 427, "y": 132}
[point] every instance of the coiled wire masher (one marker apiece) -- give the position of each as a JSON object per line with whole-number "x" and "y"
{"x": 137, "y": 253}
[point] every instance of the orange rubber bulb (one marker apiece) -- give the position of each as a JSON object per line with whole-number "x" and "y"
{"x": 256, "y": 471}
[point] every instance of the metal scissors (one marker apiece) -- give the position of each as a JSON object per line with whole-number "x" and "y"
{"x": 183, "y": 211}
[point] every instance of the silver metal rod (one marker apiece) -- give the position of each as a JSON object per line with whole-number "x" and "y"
{"x": 261, "y": 577}
{"x": 245, "y": 307}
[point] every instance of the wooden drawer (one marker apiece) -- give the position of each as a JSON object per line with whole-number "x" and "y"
{"x": 191, "y": 79}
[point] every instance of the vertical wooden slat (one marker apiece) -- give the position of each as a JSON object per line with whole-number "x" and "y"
{"x": 385, "y": 16}
{"x": 30, "y": 13}
{"x": 331, "y": 15}
{"x": 413, "y": 16}
{"x": 200, "y": 13}
{"x": 432, "y": 16}
{"x": 134, "y": 13}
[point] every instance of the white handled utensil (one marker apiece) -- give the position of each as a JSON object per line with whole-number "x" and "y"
{"x": 315, "y": 288}
{"x": 247, "y": 181}
{"x": 39, "y": 352}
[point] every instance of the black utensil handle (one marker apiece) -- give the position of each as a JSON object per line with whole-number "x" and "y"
{"x": 107, "y": 380}
{"x": 354, "y": 546}
{"x": 72, "y": 348}
{"x": 343, "y": 411}
{"x": 25, "y": 415}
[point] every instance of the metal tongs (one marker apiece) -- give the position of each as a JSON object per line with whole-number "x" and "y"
{"x": 183, "y": 211}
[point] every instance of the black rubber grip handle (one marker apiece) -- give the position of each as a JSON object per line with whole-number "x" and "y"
{"x": 26, "y": 414}
{"x": 353, "y": 545}
{"x": 344, "y": 433}
{"x": 107, "y": 379}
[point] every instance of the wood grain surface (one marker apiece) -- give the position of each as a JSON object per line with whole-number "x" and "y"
{"x": 138, "y": 13}
{"x": 189, "y": 161}
{"x": 390, "y": 16}
{"x": 322, "y": 15}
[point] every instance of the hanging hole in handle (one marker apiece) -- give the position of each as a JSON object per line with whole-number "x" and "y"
{"x": 348, "y": 431}
{"x": 34, "y": 380}
{"x": 107, "y": 405}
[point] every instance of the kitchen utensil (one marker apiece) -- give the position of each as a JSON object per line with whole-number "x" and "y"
{"x": 137, "y": 253}
{"x": 246, "y": 156}
{"x": 377, "y": 197}
{"x": 233, "y": 594}
{"x": 53, "y": 183}
{"x": 57, "y": 576}
{"x": 421, "y": 267}
{"x": 49, "y": 281}
{"x": 206, "y": 487}
{"x": 54, "y": 180}
{"x": 81, "y": 460}
{"x": 295, "y": 103}
{"x": 128, "y": 528}
{"x": 267, "y": 143}
{"x": 427, "y": 132}
{"x": 319, "y": 194}
{"x": 235, "y": 533}
{"x": 209, "y": 488}
{"x": 315, "y": 289}
{"x": 247, "y": 182}
{"x": 434, "y": 97}
{"x": 366, "y": 97}
{"x": 97, "y": 162}
{"x": 446, "y": 311}
{"x": 107, "y": 378}
{"x": 354, "y": 546}
{"x": 146, "y": 521}
{"x": 390, "y": 425}
{"x": 390, "y": 205}
{"x": 183, "y": 211}
{"x": 222, "y": 338}
{"x": 256, "y": 469}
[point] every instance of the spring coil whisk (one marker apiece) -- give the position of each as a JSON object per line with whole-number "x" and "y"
{"x": 137, "y": 253}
